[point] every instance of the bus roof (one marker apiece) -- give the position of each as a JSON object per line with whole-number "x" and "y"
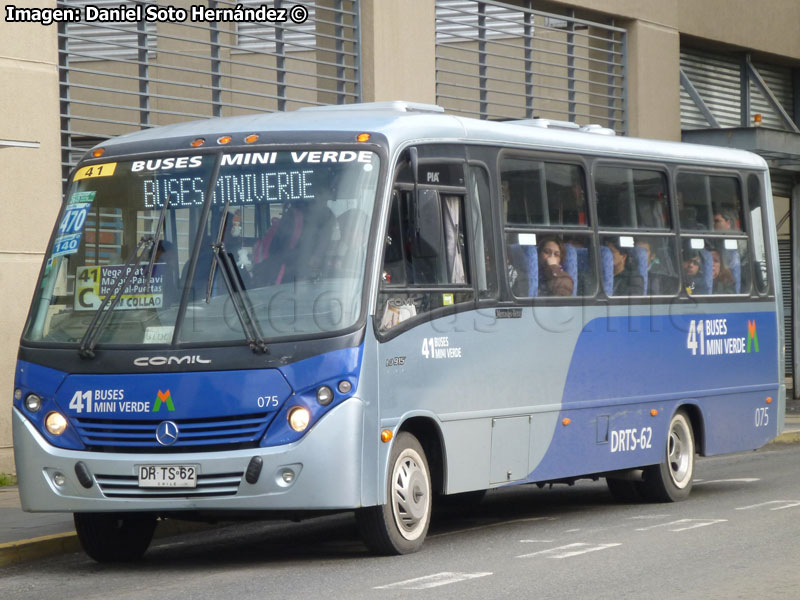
{"x": 402, "y": 123}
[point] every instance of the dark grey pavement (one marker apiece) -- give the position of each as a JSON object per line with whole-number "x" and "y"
{"x": 27, "y": 536}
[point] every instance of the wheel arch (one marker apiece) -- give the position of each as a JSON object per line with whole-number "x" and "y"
{"x": 698, "y": 424}
{"x": 429, "y": 434}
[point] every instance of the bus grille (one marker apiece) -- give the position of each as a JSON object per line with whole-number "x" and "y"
{"x": 208, "y": 486}
{"x": 195, "y": 435}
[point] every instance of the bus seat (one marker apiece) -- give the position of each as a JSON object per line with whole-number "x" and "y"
{"x": 526, "y": 261}
{"x": 734, "y": 263}
{"x": 571, "y": 266}
{"x": 640, "y": 254}
{"x": 607, "y": 270}
{"x": 708, "y": 265}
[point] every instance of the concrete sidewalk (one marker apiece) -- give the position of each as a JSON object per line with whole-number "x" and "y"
{"x": 28, "y": 536}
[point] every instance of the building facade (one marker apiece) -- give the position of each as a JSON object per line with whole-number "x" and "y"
{"x": 724, "y": 72}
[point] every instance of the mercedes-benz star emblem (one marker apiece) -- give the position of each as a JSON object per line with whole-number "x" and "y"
{"x": 167, "y": 433}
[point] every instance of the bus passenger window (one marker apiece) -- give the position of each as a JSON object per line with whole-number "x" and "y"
{"x": 542, "y": 265}
{"x": 542, "y": 193}
{"x": 631, "y": 198}
{"x": 714, "y": 247}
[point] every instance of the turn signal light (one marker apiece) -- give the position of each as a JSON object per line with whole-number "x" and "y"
{"x": 198, "y": 142}
{"x": 99, "y": 152}
{"x": 225, "y": 139}
{"x": 386, "y": 435}
{"x": 654, "y": 412}
{"x": 363, "y": 137}
{"x": 566, "y": 421}
{"x": 769, "y": 400}
{"x": 251, "y": 138}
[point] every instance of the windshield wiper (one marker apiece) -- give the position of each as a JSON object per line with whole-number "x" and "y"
{"x": 119, "y": 285}
{"x": 156, "y": 241}
{"x": 233, "y": 285}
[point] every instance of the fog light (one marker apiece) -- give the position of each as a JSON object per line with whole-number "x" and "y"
{"x": 17, "y": 394}
{"x": 55, "y": 423}
{"x": 33, "y": 403}
{"x": 59, "y": 479}
{"x": 288, "y": 476}
{"x": 345, "y": 387}
{"x": 324, "y": 395}
{"x": 299, "y": 418}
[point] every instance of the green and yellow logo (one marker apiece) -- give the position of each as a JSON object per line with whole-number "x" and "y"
{"x": 166, "y": 398}
{"x": 752, "y": 336}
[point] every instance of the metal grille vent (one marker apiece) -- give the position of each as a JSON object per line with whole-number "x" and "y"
{"x": 718, "y": 80}
{"x": 195, "y": 434}
{"x": 116, "y": 78}
{"x": 499, "y": 61}
{"x": 785, "y": 256}
{"x": 124, "y": 486}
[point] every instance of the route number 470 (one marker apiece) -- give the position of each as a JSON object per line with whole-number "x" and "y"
{"x": 695, "y": 332}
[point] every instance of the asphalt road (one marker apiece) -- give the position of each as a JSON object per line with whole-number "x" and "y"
{"x": 735, "y": 537}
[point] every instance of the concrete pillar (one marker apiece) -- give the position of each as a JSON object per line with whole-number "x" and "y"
{"x": 398, "y": 50}
{"x": 654, "y": 109}
{"x": 30, "y": 186}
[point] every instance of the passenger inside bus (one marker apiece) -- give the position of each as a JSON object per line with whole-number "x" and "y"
{"x": 722, "y": 276}
{"x": 661, "y": 277}
{"x": 725, "y": 219}
{"x": 694, "y": 277}
{"x": 553, "y": 279}
{"x": 627, "y": 280}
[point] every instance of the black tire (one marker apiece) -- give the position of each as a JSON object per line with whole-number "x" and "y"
{"x": 111, "y": 537}
{"x": 400, "y": 525}
{"x": 624, "y": 491}
{"x": 671, "y": 480}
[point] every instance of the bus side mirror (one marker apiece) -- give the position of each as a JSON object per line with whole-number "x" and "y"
{"x": 429, "y": 231}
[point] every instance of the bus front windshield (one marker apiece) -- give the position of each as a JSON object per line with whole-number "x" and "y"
{"x": 280, "y": 248}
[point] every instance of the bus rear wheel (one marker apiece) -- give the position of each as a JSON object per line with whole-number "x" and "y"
{"x": 400, "y": 525}
{"x": 111, "y": 537}
{"x": 671, "y": 480}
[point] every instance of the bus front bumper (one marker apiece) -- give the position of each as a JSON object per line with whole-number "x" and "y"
{"x": 325, "y": 467}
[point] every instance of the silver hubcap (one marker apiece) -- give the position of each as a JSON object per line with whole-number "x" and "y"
{"x": 680, "y": 452}
{"x": 410, "y": 494}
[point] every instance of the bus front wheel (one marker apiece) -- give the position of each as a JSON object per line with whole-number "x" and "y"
{"x": 671, "y": 480}
{"x": 110, "y": 537}
{"x": 400, "y": 525}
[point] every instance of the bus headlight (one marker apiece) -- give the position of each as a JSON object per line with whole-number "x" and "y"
{"x": 55, "y": 423}
{"x": 299, "y": 418}
{"x": 33, "y": 403}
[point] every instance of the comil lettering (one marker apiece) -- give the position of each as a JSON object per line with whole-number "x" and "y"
{"x": 160, "y": 361}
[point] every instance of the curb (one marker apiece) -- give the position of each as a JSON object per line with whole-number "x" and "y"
{"x": 13, "y": 553}
{"x": 787, "y": 437}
